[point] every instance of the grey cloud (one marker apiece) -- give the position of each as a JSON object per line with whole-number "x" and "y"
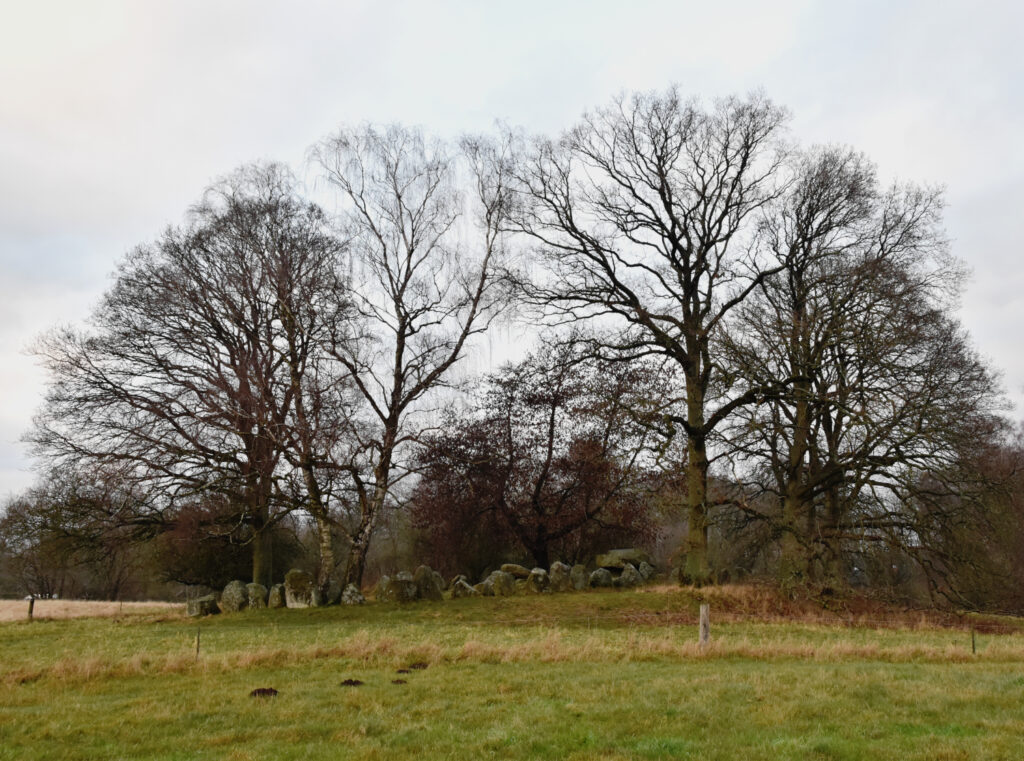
{"x": 115, "y": 115}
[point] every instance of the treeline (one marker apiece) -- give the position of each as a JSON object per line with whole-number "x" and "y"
{"x": 738, "y": 343}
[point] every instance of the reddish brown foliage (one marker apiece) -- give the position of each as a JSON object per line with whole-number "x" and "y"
{"x": 548, "y": 463}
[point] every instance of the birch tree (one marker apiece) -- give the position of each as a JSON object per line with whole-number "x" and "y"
{"x": 423, "y": 224}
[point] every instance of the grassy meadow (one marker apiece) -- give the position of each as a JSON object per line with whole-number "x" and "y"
{"x": 597, "y": 675}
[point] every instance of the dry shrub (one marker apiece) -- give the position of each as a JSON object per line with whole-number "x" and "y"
{"x": 764, "y": 603}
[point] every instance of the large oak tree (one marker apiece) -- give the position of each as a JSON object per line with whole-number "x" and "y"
{"x": 645, "y": 218}
{"x": 887, "y": 397}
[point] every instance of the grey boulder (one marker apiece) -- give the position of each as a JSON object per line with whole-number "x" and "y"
{"x": 516, "y": 570}
{"x": 399, "y": 588}
{"x": 235, "y": 597}
{"x": 299, "y": 590}
{"x": 352, "y": 596}
{"x": 256, "y": 594}
{"x": 560, "y": 577}
{"x": 537, "y": 582}
{"x": 429, "y": 585}
{"x": 630, "y": 577}
{"x": 462, "y": 588}
{"x": 275, "y": 597}
{"x": 579, "y": 577}
{"x": 503, "y": 583}
{"x": 616, "y": 559}
{"x": 202, "y": 606}
{"x": 602, "y": 577}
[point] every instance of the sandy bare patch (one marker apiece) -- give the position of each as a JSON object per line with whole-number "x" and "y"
{"x": 17, "y": 610}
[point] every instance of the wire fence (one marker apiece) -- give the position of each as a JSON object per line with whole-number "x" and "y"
{"x": 401, "y": 631}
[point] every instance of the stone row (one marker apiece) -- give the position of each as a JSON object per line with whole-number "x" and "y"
{"x": 619, "y": 568}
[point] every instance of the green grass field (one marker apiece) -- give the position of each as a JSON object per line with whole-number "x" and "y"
{"x": 597, "y": 675}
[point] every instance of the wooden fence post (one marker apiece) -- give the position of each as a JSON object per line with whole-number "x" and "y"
{"x": 31, "y": 606}
{"x": 705, "y": 625}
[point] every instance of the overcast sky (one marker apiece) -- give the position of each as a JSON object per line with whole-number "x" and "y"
{"x": 115, "y": 115}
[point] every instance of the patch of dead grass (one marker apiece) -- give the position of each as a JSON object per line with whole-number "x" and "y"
{"x": 17, "y": 610}
{"x": 548, "y": 646}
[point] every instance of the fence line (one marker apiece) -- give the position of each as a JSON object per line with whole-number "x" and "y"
{"x": 662, "y": 618}
{"x": 656, "y": 619}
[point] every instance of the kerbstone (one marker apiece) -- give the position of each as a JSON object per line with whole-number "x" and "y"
{"x": 202, "y": 606}
{"x": 235, "y": 597}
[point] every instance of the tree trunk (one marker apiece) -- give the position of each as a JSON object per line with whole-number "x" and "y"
{"x": 321, "y": 517}
{"x": 541, "y": 554}
{"x": 258, "y": 506}
{"x": 356, "y": 566}
{"x": 833, "y": 562}
{"x": 815, "y": 551}
{"x": 262, "y": 556}
{"x": 356, "y": 561}
{"x": 793, "y": 562}
{"x": 696, "y": 570}
{"x": 326, "y": 567}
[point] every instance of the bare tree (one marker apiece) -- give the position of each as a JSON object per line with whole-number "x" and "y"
{"x": 313, "y": 306}
{"x": 971, "y": 540}
{"x": 424, "y": 257}
{"x": 181, "y": 381}
{"x": 77, "y": 534}
{"x": 885, "y": 386}
{"x": 645, "y": 218}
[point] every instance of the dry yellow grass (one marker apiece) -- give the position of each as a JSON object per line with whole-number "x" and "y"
{"x": 17, "y": 610}
{"x": 657, "y": 624}
{"x": 377, "y": 650}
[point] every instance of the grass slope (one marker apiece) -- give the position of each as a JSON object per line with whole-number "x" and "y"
{"x": 600, "y": 675}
